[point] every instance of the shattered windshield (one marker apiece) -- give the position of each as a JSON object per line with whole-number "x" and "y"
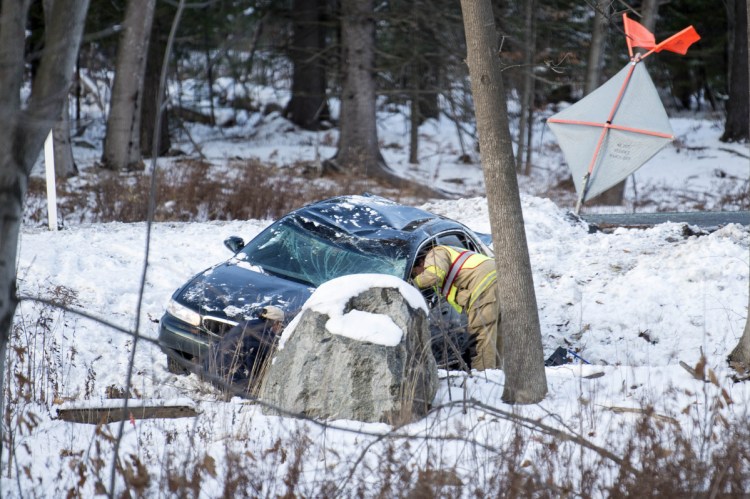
{"x": 312, "y": 253}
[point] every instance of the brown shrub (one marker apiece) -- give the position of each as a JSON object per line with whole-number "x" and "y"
{"x": 194, "y": 190}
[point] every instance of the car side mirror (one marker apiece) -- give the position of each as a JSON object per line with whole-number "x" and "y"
{"x": 234, "y": 243}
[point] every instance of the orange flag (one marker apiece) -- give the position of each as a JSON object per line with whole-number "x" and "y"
{"x": 637, "y": 35}
{"x": 680, "y": 42}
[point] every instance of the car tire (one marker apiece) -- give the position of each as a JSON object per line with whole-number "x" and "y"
{"x": 174, "y": 365}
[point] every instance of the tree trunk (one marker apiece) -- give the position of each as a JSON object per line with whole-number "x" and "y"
{"x": 614, "y": 195}
{"x": 429, "y": 107}
{"x": 528, "y": 85}
{"x": 157, "y": 45}
{"x": 358, "y": 140}
{"x": 649, "y": 12}
{"x": 65, "y": 165}
{"x": 737, "y": 128}
{"x": 519, "y": 330}
{"x": 25, "y": 129}
{"x": 122, "y": 147}
{"x": 596, "y": 49}
{"x": 358, "y": 148}
{"x": 741, "y": 353}
{"x": 740, "y": 356}
{"x": 415, "y": 80}
{"x": 429, "y": 65}
{"x": 308, "y": 105}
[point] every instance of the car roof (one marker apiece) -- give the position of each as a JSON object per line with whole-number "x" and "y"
{"x": 367, "y": 213}
{"x": 374, "y": 217}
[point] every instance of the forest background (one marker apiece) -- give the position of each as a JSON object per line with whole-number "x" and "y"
{"x": 550, "y": 52}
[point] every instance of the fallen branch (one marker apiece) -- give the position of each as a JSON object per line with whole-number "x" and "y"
{"x": 106, "y": 415}
{"x": 645, "y": 412}
{"x": 736, "y": 153}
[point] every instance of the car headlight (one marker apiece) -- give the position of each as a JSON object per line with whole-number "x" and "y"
{"x": 184, "y": 313}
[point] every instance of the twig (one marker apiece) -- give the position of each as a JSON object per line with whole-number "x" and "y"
{"x": 661, "y": 417}
{"x": 736, "y": 153}
{"x": 554, "y": 432}
{"x": 149, "y": 223}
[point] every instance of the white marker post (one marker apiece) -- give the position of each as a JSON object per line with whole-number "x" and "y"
{"x": 49, "y": 166}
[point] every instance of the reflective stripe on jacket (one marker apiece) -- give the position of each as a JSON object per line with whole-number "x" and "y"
{"x": 476, "y": 275}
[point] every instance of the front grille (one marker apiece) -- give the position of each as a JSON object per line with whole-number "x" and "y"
{"x": 217, "y": 326}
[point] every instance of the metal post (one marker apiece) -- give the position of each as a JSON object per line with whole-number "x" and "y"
{"x": 49, "y": 167}
{"x": 583, "y": 192}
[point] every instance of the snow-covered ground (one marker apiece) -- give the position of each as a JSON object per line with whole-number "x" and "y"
{"x": 634, "y": 303}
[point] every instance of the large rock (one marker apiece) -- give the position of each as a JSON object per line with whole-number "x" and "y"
{"x": 360, "y": 349}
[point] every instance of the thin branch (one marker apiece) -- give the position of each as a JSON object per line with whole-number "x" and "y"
{"x": 554, "y": 432}
{"x": 149, "y": 225}
{"x": 85, "y": 315}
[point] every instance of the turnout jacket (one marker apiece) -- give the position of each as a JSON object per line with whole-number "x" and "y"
{"x": 473, "y": 275}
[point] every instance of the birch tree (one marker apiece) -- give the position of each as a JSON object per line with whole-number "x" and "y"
{"x": 519, "y": 328}
{"x": 25, "y": 126}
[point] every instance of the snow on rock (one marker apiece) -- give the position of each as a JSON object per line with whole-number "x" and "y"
{"x": 332, "y": 297}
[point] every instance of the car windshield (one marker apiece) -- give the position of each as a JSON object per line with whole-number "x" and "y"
{"x": 313, "y": 253}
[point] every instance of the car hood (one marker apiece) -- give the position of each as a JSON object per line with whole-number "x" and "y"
{"x": 238, "y": 291}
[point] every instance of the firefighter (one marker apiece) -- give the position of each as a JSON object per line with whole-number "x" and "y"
{"x": 468, "y": 281}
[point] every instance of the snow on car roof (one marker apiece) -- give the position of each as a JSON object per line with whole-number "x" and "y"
{"x": 365, "y": 213}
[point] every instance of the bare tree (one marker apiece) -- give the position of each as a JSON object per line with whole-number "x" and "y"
{"x": 519, "y": 329}
{"x": 615, "y": 194}
{"x": 65, "y": 166}
{"x": 358, "y": 148}
{"x": 25, "y": 127}
{"x": 649, "y": 12}
{"x": 527, "y": 92}
{"x": 122, "y": 146}
{"x": 152, "y": 100}
{"x": 596, "y": 48}
{"x": 737, "y": 128}
{"x": 308, "y": 105}
{"x": 740, "y": 356}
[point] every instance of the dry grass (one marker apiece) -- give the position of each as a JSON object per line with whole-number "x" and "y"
{"x": 194, "y": 190}
{"x": 656, "y": 457}
{"x": 708, "y": 456}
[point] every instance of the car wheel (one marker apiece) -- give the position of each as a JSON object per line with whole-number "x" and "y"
{"x": 174, "y": 365}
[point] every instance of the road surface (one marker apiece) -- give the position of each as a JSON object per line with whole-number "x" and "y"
{"x": 706, "y": 220}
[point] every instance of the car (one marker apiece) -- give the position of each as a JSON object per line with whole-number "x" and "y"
{"x": 282, "y": 266}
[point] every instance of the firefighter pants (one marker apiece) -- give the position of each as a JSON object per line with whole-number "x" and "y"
{"x": 483, "y": 328}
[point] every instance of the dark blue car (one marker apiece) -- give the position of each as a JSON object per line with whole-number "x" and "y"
{"x": 283, "y": 265}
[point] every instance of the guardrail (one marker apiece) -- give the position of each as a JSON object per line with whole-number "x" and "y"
{"x": 706, "y": 220}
